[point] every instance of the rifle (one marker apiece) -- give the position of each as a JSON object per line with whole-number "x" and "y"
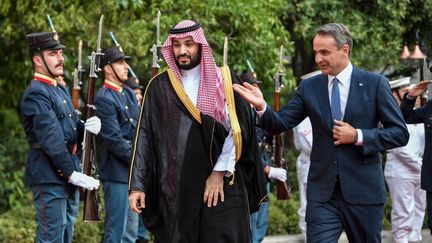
{"x": 78, "y": 75}
{"x": 156, "y": 49}
{"x": 129, "y": 68}
{"x": 92, "y": 204}
{"x": 282, "y": 188}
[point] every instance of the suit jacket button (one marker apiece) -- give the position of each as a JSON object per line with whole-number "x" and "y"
{"x": 335, "y": 161}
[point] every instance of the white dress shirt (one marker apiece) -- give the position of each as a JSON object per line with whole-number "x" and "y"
{"x": 226, "y": 160}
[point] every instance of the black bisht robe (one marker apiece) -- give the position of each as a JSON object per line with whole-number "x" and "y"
{"x": 172, "y": 157}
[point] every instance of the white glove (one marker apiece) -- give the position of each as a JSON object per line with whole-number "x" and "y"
{"x": 277, "y": 173}
{"x": 93, "y": 125}
{"x": 84, "y": 181}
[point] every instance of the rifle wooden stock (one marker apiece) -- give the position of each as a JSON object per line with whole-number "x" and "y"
{"x": 282, "y": 189}
{"x": 91, "y": 211}
{"x": 154, "y": 71}
{"x": 75, "y": 96}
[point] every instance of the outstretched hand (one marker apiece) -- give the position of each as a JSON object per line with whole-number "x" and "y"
{"x": 419, "y": 88}
{"x": 251, "y": 94}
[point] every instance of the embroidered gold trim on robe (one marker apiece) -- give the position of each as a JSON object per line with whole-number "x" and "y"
{"x": 137, "y": 131}
{"x": 181, "y": 93}
{"x": 232, "y": 114}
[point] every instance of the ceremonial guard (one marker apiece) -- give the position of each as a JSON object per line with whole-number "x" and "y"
{"x": 53, "y": 132}
{"x": 118, "y": 110}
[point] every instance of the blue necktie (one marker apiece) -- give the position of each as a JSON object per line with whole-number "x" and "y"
{"x": 335, "y": 101}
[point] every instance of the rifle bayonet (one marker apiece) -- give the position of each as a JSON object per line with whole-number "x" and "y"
{"x": 158, "y": 42}
{"x": 78, "y": 77}
{"x": 95, "y": 55}
{"x": 156, "y": 47}
{"x": 225, "y": 52}
{"x": 79, "y": 70}
{"x": 279, "y": 79}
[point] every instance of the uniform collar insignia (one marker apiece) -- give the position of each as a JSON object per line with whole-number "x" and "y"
{"x": 113, "y": 86}
{"x": 45, "y": 79}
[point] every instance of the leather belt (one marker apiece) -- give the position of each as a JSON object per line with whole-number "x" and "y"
{"x": 72, "y": 148}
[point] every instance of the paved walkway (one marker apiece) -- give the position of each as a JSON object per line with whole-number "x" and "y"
{"x": 386, "y": 238}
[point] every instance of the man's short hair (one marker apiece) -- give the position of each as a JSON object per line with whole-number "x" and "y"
{"x": 339, "y": 32}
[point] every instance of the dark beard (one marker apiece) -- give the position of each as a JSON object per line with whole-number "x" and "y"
{"x": 194, "y": 61}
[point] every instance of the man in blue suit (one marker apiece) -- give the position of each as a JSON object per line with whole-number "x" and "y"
{"x": 346, "y": 106}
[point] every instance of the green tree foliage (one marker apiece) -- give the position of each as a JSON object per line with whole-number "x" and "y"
{"x": 255, "y": 30}
{"x": 12, "y": 158}
{"x": 378, "y": 29}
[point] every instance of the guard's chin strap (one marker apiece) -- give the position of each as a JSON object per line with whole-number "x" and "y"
{"x": 43, "y": 59}
{"x": 118, "y": 78}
